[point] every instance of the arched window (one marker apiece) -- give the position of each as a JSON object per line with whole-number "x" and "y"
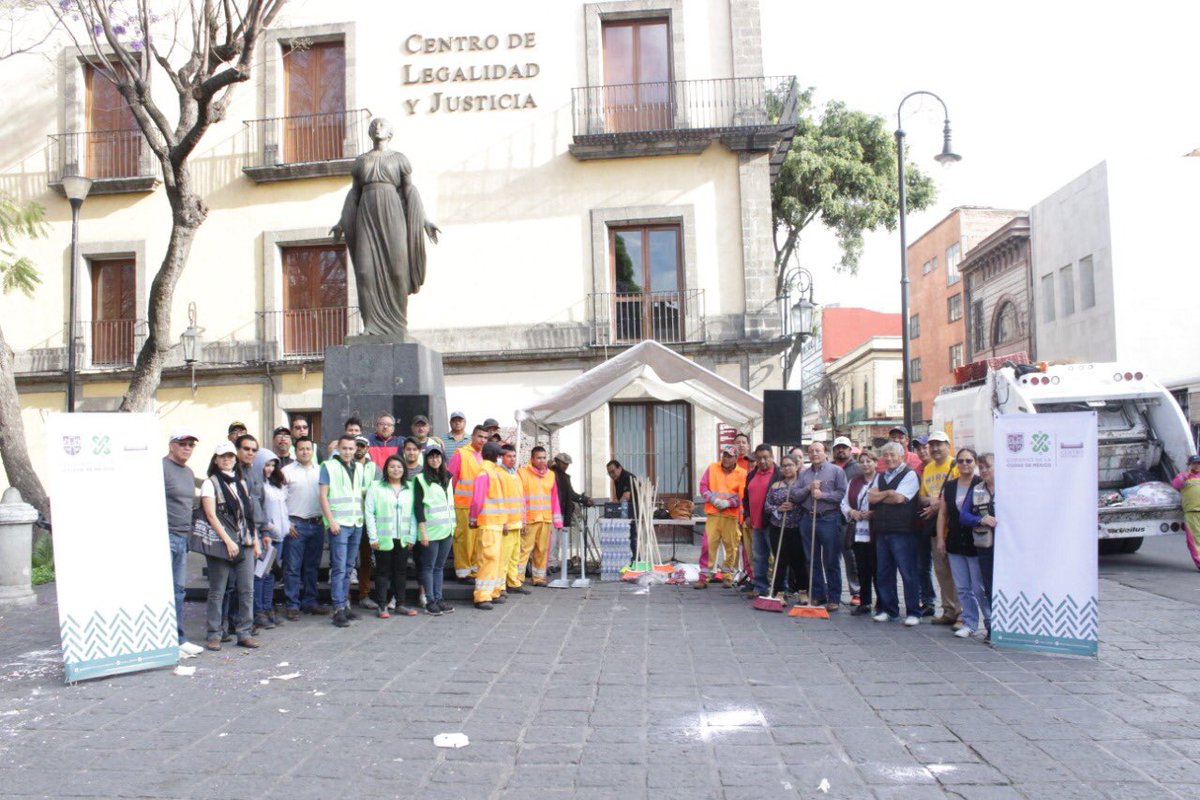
{"x": 1005, "y": 326}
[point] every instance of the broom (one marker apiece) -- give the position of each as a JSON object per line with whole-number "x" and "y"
{"x": 765, "y": 602}
{"x": 811, "y": 611}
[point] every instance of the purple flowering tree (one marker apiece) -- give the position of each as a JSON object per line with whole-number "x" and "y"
{"x": 204, "y": 48}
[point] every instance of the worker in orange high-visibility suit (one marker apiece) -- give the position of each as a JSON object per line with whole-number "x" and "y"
{"x": 464, "y": 466}
{"x": 722, "y": 486}
{"x": 487, "y": 516}
{"x": 541, "y": 511}
{"x": 514, "y": 504}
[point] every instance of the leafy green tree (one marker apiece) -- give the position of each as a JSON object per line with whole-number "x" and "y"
{"x": 17, "y": 273}
{"x": 841, "y": 172}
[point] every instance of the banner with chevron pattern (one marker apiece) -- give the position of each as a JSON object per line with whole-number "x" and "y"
{"x": 1045, "y": 584}
{"x": 116, "y": 597}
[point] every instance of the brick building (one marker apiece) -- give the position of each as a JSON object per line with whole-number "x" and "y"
{"x": 936, "y": 304}
{"x": 999, "y": 293}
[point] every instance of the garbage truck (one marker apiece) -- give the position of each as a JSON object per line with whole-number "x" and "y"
{"x": 1144, "y": 437}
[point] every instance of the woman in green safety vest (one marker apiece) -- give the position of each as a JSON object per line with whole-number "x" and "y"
{"x": 391, "y": 530}
{"x": 433, "y": 506}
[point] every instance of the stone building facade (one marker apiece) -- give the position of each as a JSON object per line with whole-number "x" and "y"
{"x": 601, "y": 174}
{"x": 999, "y": 293}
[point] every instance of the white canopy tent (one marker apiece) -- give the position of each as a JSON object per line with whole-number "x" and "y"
{"x": 660, "y": 373}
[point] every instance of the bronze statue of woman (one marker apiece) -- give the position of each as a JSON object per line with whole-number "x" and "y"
{"x": 385, "y": 226}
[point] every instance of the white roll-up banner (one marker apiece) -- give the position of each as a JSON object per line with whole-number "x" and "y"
{"x": 112, "y": 558}
{"x": 1045, "y": 585}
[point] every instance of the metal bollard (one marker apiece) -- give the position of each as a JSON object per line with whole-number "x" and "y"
{"x": 16, "y": 550}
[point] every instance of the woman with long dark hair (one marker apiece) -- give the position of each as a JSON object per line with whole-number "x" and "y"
{"x": 225, "y": 499}
{"x": 956, "y": 540}
{"x": 276, "y": 526}
{"x": 433, "y": 507}
{"x": 782, "y": 508}
{"x": 391, "y": 530}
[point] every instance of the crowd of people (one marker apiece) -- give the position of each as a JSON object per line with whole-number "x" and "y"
{"x": 904, "y": 515}
{"x": 378, "y": 501}
{"x": 381, "y": 500}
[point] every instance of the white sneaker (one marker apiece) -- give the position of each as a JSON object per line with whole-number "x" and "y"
{"x": 185, "y": 654}
{"x": 964, "y": 632}
{"x": 421, "y": 600}
{"x": 392, "y": 604}
{"x": 353, "y": 578}
{"x": 912, "y": 621}
{"x": 369, "y": 602}
{"x": 189, "y": 649}
{"x": 882, "y": 616}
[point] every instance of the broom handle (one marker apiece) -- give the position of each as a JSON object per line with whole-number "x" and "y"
{"x": 775, "y": 564}
{"x": 812, "y": 562}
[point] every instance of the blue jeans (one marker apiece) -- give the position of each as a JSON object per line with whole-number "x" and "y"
{"x": 972, "y": 596}
{"x": 179, "y": 555}
{"x": 301, "y": 559}
{"x": 898, "y": 552}
{"x": 343, "y": 557}
{"x": 826, "y": 562}
{"x": 760, "y": 547}
{"x": 925, "y": 564}
{"x": 431, "y": 564}
{"x": 264, "y": 587}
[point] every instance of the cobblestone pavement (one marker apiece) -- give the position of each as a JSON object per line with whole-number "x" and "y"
{"x": 612, "y": 693}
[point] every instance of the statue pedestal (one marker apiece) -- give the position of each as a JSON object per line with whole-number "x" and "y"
{"x": 369, "y": 375}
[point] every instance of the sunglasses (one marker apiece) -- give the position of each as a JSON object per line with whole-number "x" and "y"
{"x": 249, "y": 449}
{"x": 966, "y": 461}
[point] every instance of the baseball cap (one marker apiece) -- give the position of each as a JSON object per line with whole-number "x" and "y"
{"x": 362, "y": 440}
{"x": 899, "y": 429}
{"x": 224, "y": 449}
{"x": 921, "y": 440}
{"x": 235, "y": 425}
{"x": 842, "y": 441}
{"x": 728, "y": 450}
{"x": 491, "y": 451}
{"x": 182, "y": 434}
{"x": 282, "y": 429}
{"x": 1194, "y": 459}
{"x": 939, "y": 436}
{"x": 563, "y": 457}
{"x": 420, "y": 418}
{"x": 457, "y": 415}
{"x": 490, "y": 423}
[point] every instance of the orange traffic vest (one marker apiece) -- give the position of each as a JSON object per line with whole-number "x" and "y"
{"x": 514, "y": 498}
{"x": 730, "y": 484}
{"x": 469, "y": 467}
{"x": 538, "y": 498}
{"x": 495, "y": 511}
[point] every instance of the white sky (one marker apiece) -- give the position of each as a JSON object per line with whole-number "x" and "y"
{"x": 1038, "y": 92}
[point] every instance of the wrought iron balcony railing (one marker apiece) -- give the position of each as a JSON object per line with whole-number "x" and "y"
{"x": 116, "y": 161}
{"x": 305, "y": 333}
{"x": 307, "y": 138}
{"x": 701, "y": 108}
{"x": 108, "y": 343}
{"x": 620, "y": 318}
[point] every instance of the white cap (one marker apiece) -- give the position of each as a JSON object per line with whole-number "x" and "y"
{"x": 939, "y": 436}
{"x": 224, "y": 448}
{"x": 842, "y": 441}
{"x": 179, "y": 434}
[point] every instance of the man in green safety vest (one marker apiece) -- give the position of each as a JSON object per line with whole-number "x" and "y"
{"x": 341, "y": 493}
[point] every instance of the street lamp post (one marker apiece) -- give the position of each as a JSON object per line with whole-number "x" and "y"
{"x": 799, "y": 314}
{"x": 76, "y": 187}
{"x": 947, "y": 156}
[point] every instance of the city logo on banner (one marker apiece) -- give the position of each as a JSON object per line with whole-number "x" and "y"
{"x": 72, "y": 445}
{"x": 1038, "y": 451}
{"x": 1016, "y": 442}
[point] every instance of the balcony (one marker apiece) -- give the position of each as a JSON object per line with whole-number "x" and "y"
{"x": 118, "y": 162}
{"x": 306, "y": 146}
{"x": 303, "y": 334}
{"x": 620, "y": 318}
{"x": 681, "y": 117}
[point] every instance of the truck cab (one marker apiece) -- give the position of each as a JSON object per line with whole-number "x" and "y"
{"x": 1143, "y": 434}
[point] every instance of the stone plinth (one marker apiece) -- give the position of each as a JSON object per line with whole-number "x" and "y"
{"x": 367, "y": 376}
{"x": 16, "y": 550}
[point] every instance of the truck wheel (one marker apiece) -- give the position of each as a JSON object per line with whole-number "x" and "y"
{"x": 1110, "y": 547}
{"x": 1131, "y": 545}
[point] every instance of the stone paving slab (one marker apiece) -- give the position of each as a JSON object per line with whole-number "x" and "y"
{"x": 617, "y": 692}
